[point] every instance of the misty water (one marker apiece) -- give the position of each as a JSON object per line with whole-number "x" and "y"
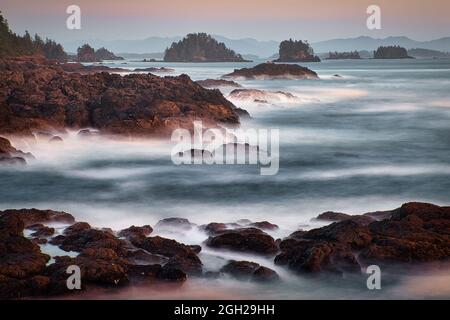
{"x": 372, "y": 139}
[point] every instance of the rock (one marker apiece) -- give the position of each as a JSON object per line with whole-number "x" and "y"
{"x": 35, "y": 216}
{"x": 154, "y": 69}
{"x": 38, "y": 95}
{"x": 10, "y": 155}
{"x": 414, "y": 233}
{"x": 174, "y": 224}
{"x": 19, "y": 257}
{"x": 80, "y": 236}
{"x": 273, "y": 71}
{"x": 246, "y": 270}
{"x": 261, "y": 96}
{"x": 250, "y": 240}
{"x": 142, "y": 257}
{"x": 56, "y": 139}
{"x": 218, "y": 83}
{"x": 41, "y": 231}
{"x": 264, "y": 274}
{"x": 158, "y": 272}
{"x": 86, "y": 133}
{"x": 181, "y": 256}
{"x": 264, "y": 225}
{"x": 214, "y": 228}
{"x": 102, "y": 271}
{"x": 134, "y": 231}
{"x": 240, "y": 269}
{"x": 337, "y": 216}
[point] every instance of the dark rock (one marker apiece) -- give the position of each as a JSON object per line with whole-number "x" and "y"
{"x": 174, "y": 224}
{"x": 264, "y": 274}
{"x": 37, "y": 94}
{"x": 34, "y": 216}
{"x": 41, "y": 231}
{"x": 214, "y": 228}
{"x": 133, "y": 232}
{"x": 246, "y": 270}
{"x": 19, "y": 257}
{"x": 56, "y": 139}
{"x": 273, "y": 71}
{"x": 264, "y": 225}
{"x": 245, "y": 240}
{"x": 154, "y": 69}
{"x": 261, "y": 96}
{"x": 337, "y": 216}
{"x": 181, "y": 256}
{"x": 10, "y": 155}
{"x": 218, "y": 83}
{"x": 80, "y": 236}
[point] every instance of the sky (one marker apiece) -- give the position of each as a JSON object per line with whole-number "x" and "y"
{"x": 260, "y": 19}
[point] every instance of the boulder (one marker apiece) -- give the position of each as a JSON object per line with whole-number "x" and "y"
{"x": 250, "y": 240}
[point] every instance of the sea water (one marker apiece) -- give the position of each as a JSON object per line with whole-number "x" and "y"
{"x": 371, "y": 139}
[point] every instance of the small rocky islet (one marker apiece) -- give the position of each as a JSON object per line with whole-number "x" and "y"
{"x": 414, "y": 234}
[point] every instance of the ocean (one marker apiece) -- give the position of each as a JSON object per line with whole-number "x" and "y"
{"x": 371, "y": 139}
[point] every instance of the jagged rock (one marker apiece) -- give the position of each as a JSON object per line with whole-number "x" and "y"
{"x": 133, "y": 232}
{"x": 37, "y": 94}
{"x": 10, "y": 155}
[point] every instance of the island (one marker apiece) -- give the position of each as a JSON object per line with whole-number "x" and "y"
{"x": 200, "y": 47}
{"x": 270, "y": 70}
{"x": 86, "y": 53}
{"x": 296, "y": 51}
{"x": 391, "y": 52}
{"x": 343, "y": 55}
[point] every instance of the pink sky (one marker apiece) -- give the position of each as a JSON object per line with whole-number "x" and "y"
{"x": 261, "y": 19}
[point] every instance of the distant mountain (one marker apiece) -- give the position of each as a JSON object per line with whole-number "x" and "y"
{"x": 369, "y": 43}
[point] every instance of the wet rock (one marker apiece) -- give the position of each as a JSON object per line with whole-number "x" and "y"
{"x": 246, "y": 270}
{"x": 41, "y": 231}
{"x": 174, "y": 224}
{"x": 80, "y": 236}
{"x": 19, "y": 257}
{"x": 214, "y": 228}
{"x": 264, "y": 274}
{"x": 245, "y": 240}
{"x": 34, "y": 216}
{"x": 272, "y": 71}
{"x": 10, "y": 155}
{"x": 337, "y": 216}
{"x": 38, "y": 94}
{"x": 218, "y": 83}
{"x": 56, "y": 140}
{"x": 264, "y": 225}
{"x": 261, "y": 96}
{"x": 181, "y": 256}
{"x": 136, "y": 232}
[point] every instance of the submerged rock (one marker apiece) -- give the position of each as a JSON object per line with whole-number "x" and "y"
{"x": 10, "y": 155}
{"x": 246, "y": 270}
{"x": 218, "y": 83}
{"x": 260, "y": 96}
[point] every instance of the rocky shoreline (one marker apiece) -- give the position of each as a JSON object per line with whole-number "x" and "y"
{"x": 43, "y": 95}
{"x": 413, "y": 234}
